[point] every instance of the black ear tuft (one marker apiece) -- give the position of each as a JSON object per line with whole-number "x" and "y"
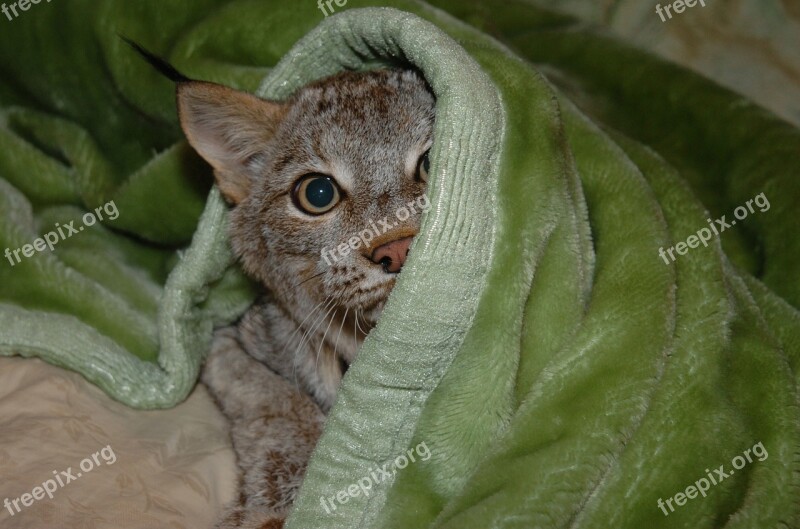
{"x": 165, "y": 68}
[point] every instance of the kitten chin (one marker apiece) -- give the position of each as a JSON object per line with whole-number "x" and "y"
{"x": 371, "y": 315}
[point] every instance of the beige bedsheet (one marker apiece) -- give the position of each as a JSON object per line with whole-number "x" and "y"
{"x": 146, "y": 469}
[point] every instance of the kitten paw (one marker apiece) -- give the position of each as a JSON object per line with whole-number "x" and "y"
{"x": 228, "y": 362}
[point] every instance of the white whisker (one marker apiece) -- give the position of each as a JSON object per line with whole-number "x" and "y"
{"x": 307, "y": 336}
{"x": 322, "y": 342}
{"x": 288, "y": 340}
{"x": 355, "y": 333}
{"x": 339, "y": 335}
{"x": 359, "y": 325}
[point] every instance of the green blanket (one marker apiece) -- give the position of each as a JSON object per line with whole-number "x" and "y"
{"x": 570, "y": 344}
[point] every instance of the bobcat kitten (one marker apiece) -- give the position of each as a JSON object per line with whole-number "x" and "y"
{"x": 304, "y": 176}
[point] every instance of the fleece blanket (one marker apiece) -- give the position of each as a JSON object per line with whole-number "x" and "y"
{"x": 597, "y": 324}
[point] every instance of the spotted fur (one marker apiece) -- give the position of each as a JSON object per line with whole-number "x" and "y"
{"x": 276, "y": 373}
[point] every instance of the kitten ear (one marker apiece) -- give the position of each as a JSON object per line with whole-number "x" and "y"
{"x": 227, "y": 128}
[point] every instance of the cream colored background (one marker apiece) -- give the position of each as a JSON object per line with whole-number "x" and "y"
{"x": 174, "y": 468}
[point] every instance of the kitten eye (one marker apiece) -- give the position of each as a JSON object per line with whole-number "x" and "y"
{"x": 316, "y": 194}
{"x": 423, "y": 166}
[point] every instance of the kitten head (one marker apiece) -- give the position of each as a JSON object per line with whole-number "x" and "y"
{"x": 327, "y": 188}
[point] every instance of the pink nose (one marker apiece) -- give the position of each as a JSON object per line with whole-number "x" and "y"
{"x": 392, "y": 255}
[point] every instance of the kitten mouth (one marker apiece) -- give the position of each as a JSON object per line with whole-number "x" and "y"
{"x": 365, "y": 294}
{"x": 372, "y": 311}
{"x": 344, "y": 365}
{"x": 375, "y": 298}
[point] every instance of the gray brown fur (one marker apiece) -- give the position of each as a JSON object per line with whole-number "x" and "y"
{"x": 276, "y": 373}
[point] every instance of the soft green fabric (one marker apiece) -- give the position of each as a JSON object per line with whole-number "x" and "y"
{"x": 85, "y": 122}
{"x": 561, "y": 374}
{"x": 592, "y": 379}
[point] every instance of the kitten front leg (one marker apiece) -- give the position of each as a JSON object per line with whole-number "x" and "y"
{"x": 274, "y": 428}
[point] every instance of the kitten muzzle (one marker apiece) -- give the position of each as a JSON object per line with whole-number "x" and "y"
{"x": 392, "y": 255}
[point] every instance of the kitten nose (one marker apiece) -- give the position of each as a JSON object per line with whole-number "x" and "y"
{"x": 392, "y": 255}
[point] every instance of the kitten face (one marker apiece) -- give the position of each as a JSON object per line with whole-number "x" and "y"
{"x": 305, "y": 177}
